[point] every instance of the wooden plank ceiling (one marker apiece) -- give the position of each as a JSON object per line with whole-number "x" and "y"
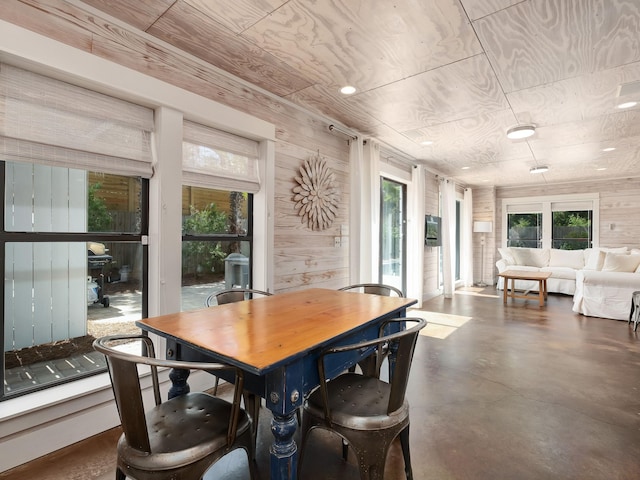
{"x": 457, "y": 73}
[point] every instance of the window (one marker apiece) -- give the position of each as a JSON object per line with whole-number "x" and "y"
{"x": 572, "y": 229}
{"x": 216, "y": 243}
{"x": 565, "y": 222}
{"x": 74, "y": 267}
{"x": 73, "y": 170}
{"x": 524, "y": 230}
{"x": 458, "y": 235}
{"x": 220, "y": 175}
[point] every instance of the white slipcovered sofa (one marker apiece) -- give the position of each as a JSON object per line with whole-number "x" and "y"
{"x": 562, "y": 264}
{"x": 601, "y": 280}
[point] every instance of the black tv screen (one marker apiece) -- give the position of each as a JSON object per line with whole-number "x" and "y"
{"x": 432, "y": 231}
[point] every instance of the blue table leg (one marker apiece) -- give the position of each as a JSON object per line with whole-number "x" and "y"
{"x": 179, "y": 385}
{"x": 284, "y": 451}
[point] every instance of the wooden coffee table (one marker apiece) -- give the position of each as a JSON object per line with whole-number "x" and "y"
{"x": 513, "y": 275}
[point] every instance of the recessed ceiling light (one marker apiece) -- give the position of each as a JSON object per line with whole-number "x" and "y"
{"x": 601, "y": 169}
{"x": 521, "y": 131}
{"x": 627, "y": 104}
{"x": 465, "y": 168}
{"x": 426, "y": 142}
{"x": 609, "y": 149}
{"x": 540, "y": 169}
{"x": 348, "y": 90}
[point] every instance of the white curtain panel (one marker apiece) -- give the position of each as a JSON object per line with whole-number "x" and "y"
{"x": 415, "y": 234}
{"x": 358, "y": 173}
{"x": 466, "y": 255}
{"x": 448, "y": 195}
{"x": 370, "y": 213}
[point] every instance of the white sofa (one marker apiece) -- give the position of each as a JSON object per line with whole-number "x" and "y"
{"x": 601, "y": 280}
{"x": 562, "y": 264}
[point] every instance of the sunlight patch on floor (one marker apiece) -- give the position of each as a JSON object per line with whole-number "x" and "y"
{"x": 440, "y": 325}
{"x": 477, "y": 292}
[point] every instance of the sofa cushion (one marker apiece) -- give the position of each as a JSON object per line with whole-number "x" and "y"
{"x": 594, "y": 257}
{"x": 620, "y": 262}
{"x": 594, "y": 260}
{"x": 566, "y": 273}
{"x": 566, "y": 258}
{"x": 534, "y": 257}
{"x": 505, "y": 254}
{"x": 523, "y": 268}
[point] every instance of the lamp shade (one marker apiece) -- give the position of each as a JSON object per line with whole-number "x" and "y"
{"x": 482, "y": 227}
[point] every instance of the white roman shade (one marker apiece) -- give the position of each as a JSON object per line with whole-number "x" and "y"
{"x": 524, "y": 208}
{"x": 51, "y": 122}
{"x": 220, "y": 160}
{"x": 572, "y": 206}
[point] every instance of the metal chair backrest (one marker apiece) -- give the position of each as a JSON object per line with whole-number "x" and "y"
{"x": 234, "y": 295}
{"x": 374, "y": 288}
{"x": 125, "y": 380}
{"x": 405, "y": 340}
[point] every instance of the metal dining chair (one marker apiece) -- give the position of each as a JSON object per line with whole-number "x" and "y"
{"x": 251, "y": 401}
{"x": 374, "y": 288}
{"x": 181, "y": 437}
{"x": 367, "y": 412}
{"x": 233, "y": 295}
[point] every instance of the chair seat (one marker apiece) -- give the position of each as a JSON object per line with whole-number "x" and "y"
{"x": 182, "y": 430}
{"x": 358, "y": 402}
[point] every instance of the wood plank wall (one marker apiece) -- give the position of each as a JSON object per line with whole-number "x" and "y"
{"x": 619, "y": 208}
{"x": 484, "y": 201}
{"x": 302, "y": 257}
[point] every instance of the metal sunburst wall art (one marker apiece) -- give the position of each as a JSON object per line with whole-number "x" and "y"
{"x": 316, "y": 194}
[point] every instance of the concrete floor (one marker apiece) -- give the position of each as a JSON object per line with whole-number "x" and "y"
{"x": 496, "y": 392}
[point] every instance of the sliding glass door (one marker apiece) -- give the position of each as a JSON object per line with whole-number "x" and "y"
{"x": 393, "y": 222}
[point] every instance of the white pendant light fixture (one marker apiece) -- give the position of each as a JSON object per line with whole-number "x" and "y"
{"x": 521, "y": 131}
{"x": 540, "y": 169}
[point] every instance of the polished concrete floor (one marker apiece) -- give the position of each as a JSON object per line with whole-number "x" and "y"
{"x": 511, "y": 392}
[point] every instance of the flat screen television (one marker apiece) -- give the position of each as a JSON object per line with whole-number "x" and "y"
{"x": 432, "y": 231}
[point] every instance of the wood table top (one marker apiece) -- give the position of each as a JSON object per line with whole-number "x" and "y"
{"x": 264, "y": 332}
{"x": 525, "y": 275}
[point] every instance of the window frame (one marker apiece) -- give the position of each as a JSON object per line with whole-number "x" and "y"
{"x": 67, "y": 237}
{"x": 547, "y": 205}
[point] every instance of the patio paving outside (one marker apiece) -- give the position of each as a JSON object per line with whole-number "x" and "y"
{"x": 125, "y": 308}
{"x": 119, "y": 317}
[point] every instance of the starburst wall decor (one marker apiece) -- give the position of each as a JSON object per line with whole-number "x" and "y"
{"x": 316, "y": 195}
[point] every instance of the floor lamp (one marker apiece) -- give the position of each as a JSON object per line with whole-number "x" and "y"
{"x": 482, "y": 227}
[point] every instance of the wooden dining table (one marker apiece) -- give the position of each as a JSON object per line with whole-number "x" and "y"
{"x": 276, "y": 341}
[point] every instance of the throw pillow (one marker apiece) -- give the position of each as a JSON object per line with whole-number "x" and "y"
{"x": 566, "y": 258}
{"x": 595, "y": 256}
{"x": 595, "y": 260}
{"x": 617, "y": 262}
{"x": 506, "y": 255}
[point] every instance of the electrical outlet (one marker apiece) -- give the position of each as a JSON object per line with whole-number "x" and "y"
{"x": 337, "y": 243}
